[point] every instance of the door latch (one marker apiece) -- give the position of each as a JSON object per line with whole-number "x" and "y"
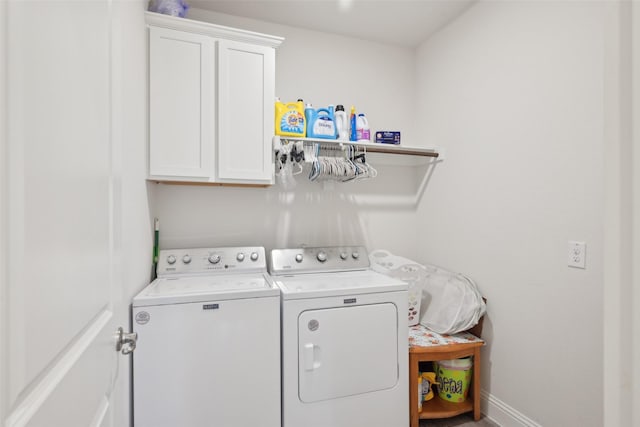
{"x": 125, "y": 342}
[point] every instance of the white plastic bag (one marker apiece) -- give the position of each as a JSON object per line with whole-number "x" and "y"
{"x": 451, "y": 301}
{"x": 447, "y": 302}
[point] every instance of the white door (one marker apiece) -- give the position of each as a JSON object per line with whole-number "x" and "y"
{"x": 59, "y": 289}
{"x": 246, "y": 93}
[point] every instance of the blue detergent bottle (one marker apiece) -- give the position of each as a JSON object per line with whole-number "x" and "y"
{"x": 353, "y": 136}
{"x": 321, "y": 123}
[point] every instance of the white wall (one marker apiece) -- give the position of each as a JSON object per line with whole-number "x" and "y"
{"x": 621, "y": 301}
{"x": 133, "y": 220}
{"x": 4, "y": 247}
{"x": 635, "y": 226}
{"x": 515, "y": 92}
{"x": 322, "y": 69}
{"x": 635, "y": 284}
{"x": 519, "y": 95}
{"x": 130, "y": 131}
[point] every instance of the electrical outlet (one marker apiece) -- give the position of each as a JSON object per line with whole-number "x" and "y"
{"x": 577, "y": 254}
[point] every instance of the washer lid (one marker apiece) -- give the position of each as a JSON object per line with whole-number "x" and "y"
{"x": 176, "y": 290}
{"x": 317, "y": 285}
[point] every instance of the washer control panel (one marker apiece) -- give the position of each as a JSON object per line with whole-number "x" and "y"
{"x": 245, "y": 259}
{"x": 316, "y": 260}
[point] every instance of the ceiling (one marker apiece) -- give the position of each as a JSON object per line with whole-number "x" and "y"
{"x": 399, "y": 22}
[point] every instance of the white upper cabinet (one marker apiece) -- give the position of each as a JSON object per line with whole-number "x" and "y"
{"x": 246, "y": 76}
{"x": 211, "y": 109}
{"x": 181, "y": 104}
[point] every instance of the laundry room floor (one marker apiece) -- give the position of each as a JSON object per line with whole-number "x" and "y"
{"x": 459, "y": 421}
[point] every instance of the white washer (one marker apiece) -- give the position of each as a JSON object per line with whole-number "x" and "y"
{"x": 208, "y": 350}
{"x": 344, "y": 340}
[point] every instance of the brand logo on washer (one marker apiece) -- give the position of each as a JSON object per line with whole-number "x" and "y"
{"x": 142, "y": 318}
{"x": 313, "y": 325}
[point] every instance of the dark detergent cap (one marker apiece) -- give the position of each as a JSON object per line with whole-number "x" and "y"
{"x": 339, "y": 107}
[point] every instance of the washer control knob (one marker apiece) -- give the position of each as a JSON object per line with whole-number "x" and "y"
{"x": 186, "y": 259}
{"x": 355, "y": 255}
{"x": 298, "y": 257}
{"x": 322, "y": 256}
{"x": 240, "y": 256}
{"x": 214, "y": 259}
{"x": 343, "y": 255}
{"x": 254, "y": 256}
{"x": 171, "y": 259}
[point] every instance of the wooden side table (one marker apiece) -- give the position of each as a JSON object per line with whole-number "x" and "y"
{"x": 437, "y": 407}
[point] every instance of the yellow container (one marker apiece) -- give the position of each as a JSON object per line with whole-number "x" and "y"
{"x": 427, "y": 380}
{"x": 290, "y": 119}
{"x": 454, "y": 377}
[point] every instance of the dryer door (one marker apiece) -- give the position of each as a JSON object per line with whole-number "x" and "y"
{"x": 347, "y": 351}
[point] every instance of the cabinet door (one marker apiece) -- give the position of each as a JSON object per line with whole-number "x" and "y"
{"x": 246, "y": 91}
{"x": 181, "y": 107}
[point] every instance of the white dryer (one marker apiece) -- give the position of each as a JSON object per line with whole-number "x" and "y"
{"x": 208, "y": 349}
{"x": 344, "y": 340}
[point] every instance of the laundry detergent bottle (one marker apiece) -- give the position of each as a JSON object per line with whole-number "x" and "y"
{"x": 320, "y": 123}
{"x": 290, "y": 120}
{"x": 342, "y": 123}
{"x": 353, "y": 135}
{"x": 362, "y": 129}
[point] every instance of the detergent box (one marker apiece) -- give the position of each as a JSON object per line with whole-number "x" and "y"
{"x": 388, "y": 137}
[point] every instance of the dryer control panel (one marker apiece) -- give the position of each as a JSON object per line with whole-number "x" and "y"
{"x": 318, "y": 259}
{"x": 245, "y": 259}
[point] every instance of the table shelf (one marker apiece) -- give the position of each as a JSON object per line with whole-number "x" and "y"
{"x": 455, "y": 349}
{"x": 440, "y": 408}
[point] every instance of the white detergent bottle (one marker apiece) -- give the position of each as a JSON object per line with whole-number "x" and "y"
{"x": 342, "y": 123}
{"x": 362, "y": 129}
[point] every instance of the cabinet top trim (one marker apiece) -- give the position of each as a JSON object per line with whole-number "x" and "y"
{"x": 205, "y": 28}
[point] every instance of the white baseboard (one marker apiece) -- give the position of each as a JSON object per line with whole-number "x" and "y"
{"x": 502, "y": 414}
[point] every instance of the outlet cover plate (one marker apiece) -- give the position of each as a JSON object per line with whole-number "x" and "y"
{"x": 577, "y": 254}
